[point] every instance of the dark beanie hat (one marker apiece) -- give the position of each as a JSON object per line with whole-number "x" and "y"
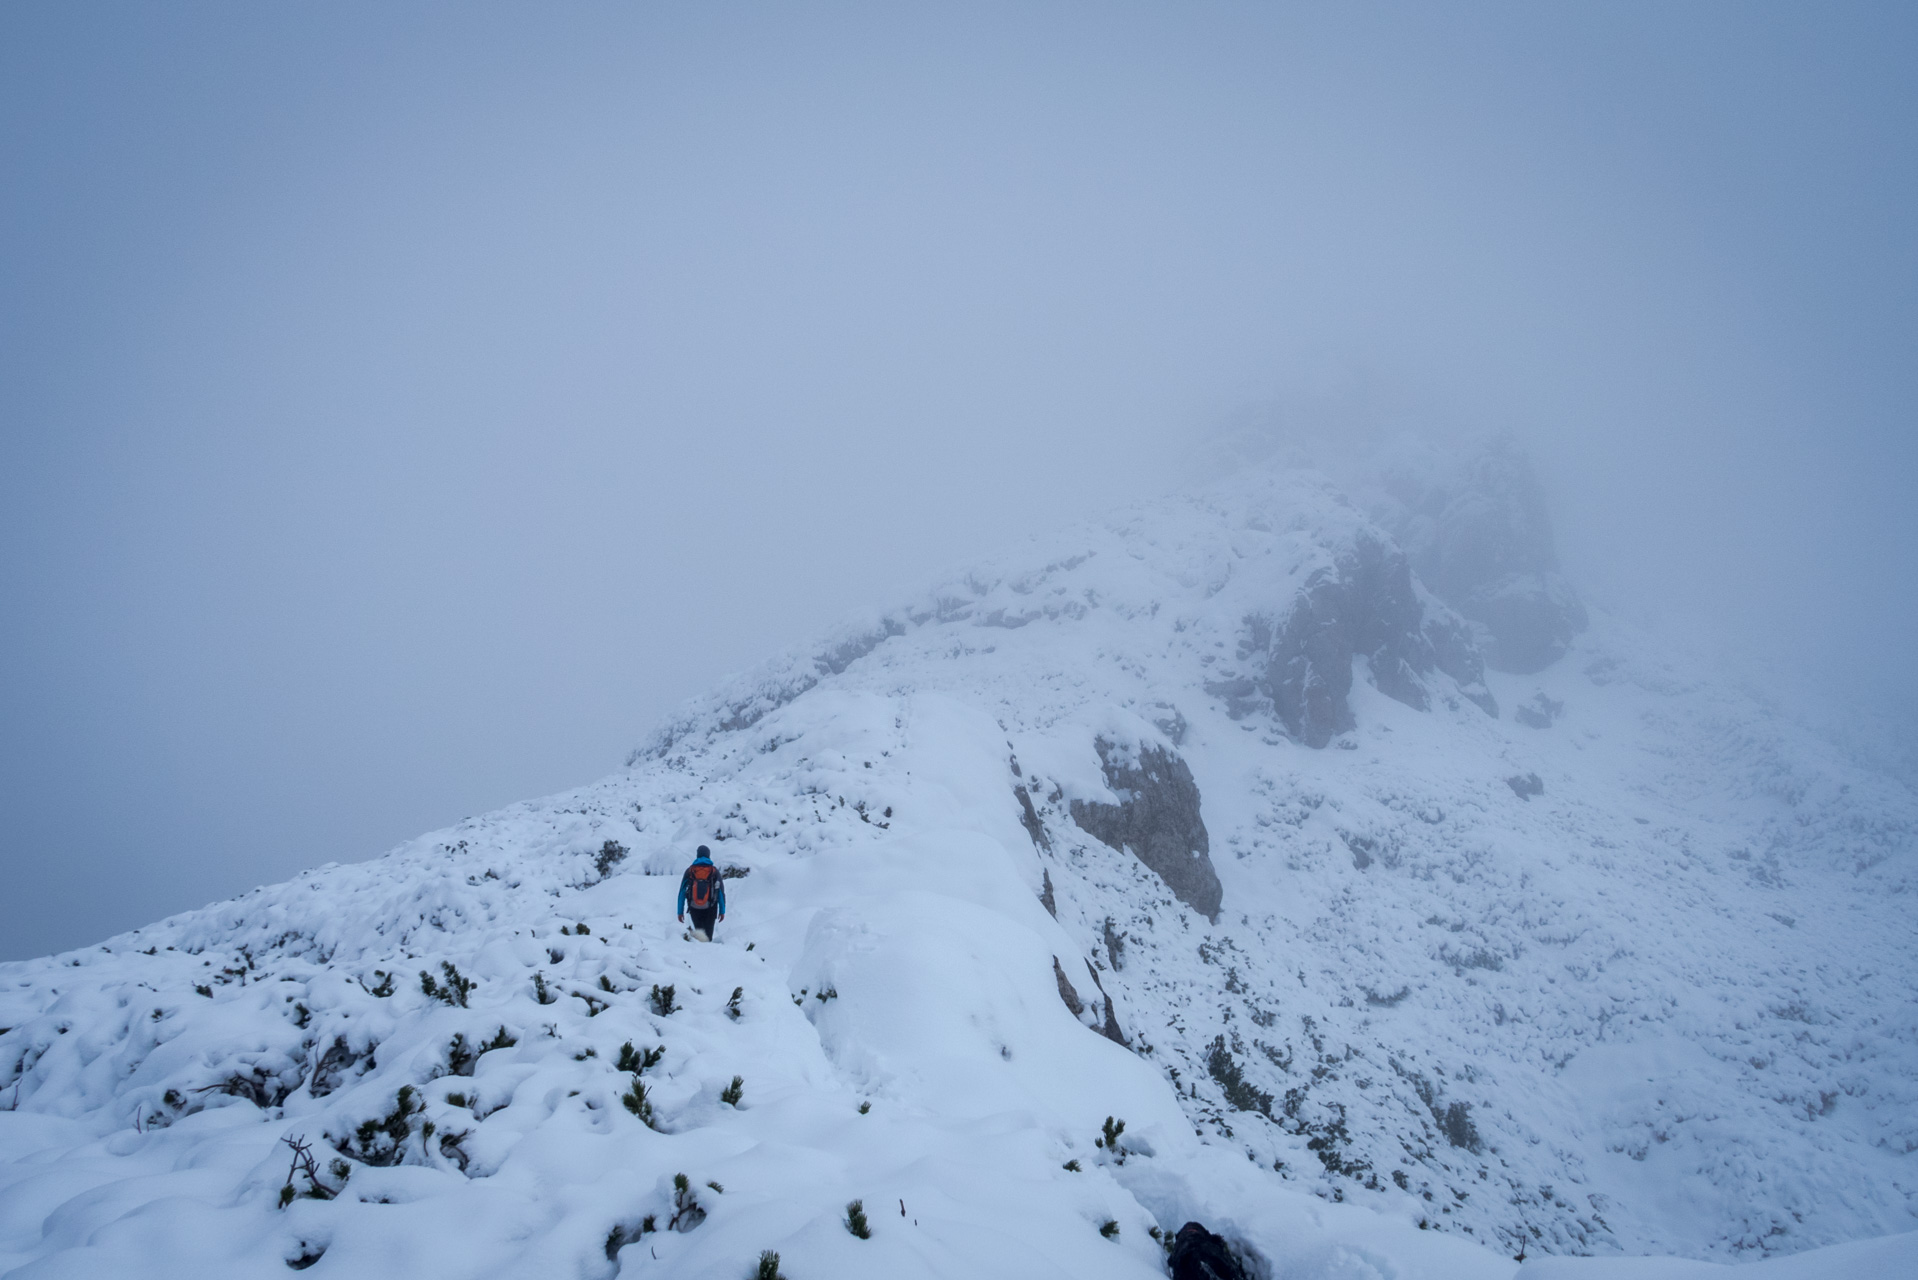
{"x": 704, "y": 852}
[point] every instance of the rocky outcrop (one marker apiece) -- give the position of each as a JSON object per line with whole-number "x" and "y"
{"x": 1157, "y": 819}
{"x": 1481, "y": 540}
{"x": 1363, "y": 604}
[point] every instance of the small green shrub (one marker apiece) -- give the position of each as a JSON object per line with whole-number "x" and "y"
{"x": 638, "y": 1103}
{"x": 687, "y": 1211}
{"x": 768, "y": 1268}
{"x": 1109, "y": 1139}
{"x": 457, "y": 987}
{"x": 731, "y": 1094}
{"x": 621, "y": 1235}
{"x": 662, "y": 998}
{"x": 610, "y": 855}
{"x": 631, "y": 1059}
{"x": 732, "y": 1003}
{"x": 382, "y": 1141}
{"x": 856, "y": 1220}
{"x": 1072, "y": 1166}
{"x": 1110, "y": 1230}
{"x": 542, "y": 992}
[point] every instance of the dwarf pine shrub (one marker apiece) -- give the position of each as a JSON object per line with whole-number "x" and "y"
{"x": 638, "y": 1103}
{"x": 687, "y": 1211}
{"x": 622, "y": 1235}
{"x": 382, "y": 1141}
{"x": 610, "y": 855}
{"x": 732, "y": 1003}
{"x": 304, "y": 1166}
{"x": 542, "y": 992}
{"x": 731, "y": 1094}
{"x": 1241, "y": 1094}
{"x": 631, "y": 1059}
{"x": 458, "y": 985}
{"x": 662, "y": 998}
{"x": 1110, "y": 1230}
{"x": 768, "y": 1268}
{"x": 856, "y": 1220}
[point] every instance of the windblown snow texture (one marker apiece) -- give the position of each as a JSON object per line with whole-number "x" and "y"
{"x": 1207, "y": 823}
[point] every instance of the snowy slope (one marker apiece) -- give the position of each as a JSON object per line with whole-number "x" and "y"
{"x": 1635, "y": 981}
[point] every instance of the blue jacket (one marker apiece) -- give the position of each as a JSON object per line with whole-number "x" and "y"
{"x": 686, "y": 882}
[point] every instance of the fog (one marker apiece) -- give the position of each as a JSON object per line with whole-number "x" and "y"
{"x": 402, "y": 407}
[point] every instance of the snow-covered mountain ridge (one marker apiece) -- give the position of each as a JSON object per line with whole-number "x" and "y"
{"x": 1394, "y": 954}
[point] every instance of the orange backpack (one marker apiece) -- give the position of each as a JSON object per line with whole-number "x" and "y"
{"x": 699, "y": 893}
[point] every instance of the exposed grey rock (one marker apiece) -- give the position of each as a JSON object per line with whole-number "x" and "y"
{"x": 1110, "y": 1030}
{"x": 1029, "y": 819}
{"x": 1481, "y": 539}
{"x": 1158, "y": 820}
{"x": 1066, "y": 991}
{"x": 1538, "y": 712}
{"x": 1364, "y": 604}
{"x": 1525, "y": 785}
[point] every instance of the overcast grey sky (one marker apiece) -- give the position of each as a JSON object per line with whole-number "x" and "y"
{"x": 402, "y": 406}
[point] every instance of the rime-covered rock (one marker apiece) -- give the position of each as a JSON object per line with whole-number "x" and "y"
{"x": 1157, "y": 820}
{"x": 1479, "y": 535}
{"x": 1362, "y": 603}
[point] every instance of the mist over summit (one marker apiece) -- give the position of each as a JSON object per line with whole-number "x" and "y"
{"x": 1411, "y": 914}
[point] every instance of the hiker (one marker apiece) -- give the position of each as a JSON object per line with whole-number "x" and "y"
{"x": 702, "y": 889}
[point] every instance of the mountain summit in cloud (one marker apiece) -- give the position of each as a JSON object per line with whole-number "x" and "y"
{"x": 1313, "y": 869}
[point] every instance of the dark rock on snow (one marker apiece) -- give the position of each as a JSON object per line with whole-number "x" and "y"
{"x": 1525, "y": 785}
{"x": 1365, "y": 604}
{"x": 1538, "y": 712}
{"x": 1158, "y": 820}
{"x": 1066, "y": 991}
{"x": 1197, "y": 1254}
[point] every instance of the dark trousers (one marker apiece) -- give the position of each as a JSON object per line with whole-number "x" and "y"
{"x": 704, "y": 918}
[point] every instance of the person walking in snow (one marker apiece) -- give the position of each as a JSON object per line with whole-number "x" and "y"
{"x": 703, "y": 890}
